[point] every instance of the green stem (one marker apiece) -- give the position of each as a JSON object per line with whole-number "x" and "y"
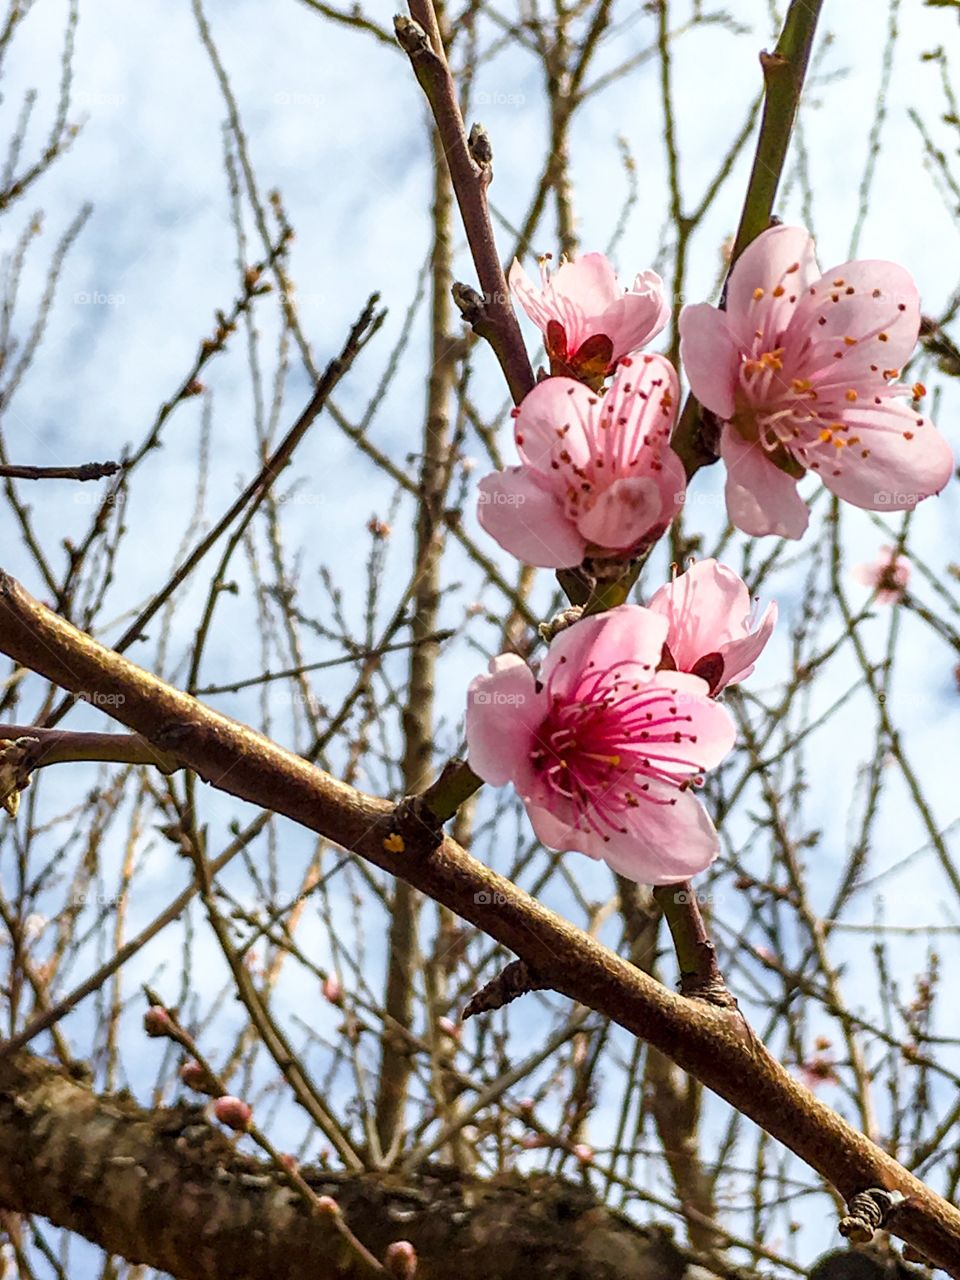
{"x": 784, "y": 72}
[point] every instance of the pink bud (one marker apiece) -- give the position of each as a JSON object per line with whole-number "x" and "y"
{"x": 531, "y": 1141}
{"x": 232, "y": 1112}
{"x": 195, "y": 1077}
{"x": 328, "y": 1206}
{"x": 400, "y": 1260}
{"x": 451, "y": 1029}
{"x": 583, "y": 1152}
{"x": 332, "y": 989}
{"x": 289, "y": 1162}
{"x": 157, "y": 1022}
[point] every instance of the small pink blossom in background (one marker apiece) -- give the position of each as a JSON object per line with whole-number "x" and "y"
{"x": 233, "y": 1112}
{"x": 598, "y": 476}
{"x": 819, "y": 1069}
{"x": 802, "y": 371}
{"x": 332, "y": 989}
{"x": 450, "y": 1028}
{"x": 590, "y": 322}
{"x": 328, "y": 1206}
{"x": 603, "y": 748}
{"x": 888, "y": 574}
{"x": 400, "y": 1260}
{"x": 584, "y": 1153}
{"x": 708, "y": 612}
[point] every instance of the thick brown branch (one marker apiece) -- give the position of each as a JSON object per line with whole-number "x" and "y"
{"x": 168, "y": 1189}
{"x": 705, "y": 1041}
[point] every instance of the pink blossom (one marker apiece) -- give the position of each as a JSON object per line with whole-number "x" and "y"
{"x": 589, "y": 320}
{"x": 888, "y": 574}
{"x": 598, "y": 476}
{"x": 801, "y": 369}
{"x": 708, "y": 612}
{"x": 603, "y": 748}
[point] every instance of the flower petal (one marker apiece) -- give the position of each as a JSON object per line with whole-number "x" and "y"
{"x": 907, "y": 459}
{"x": 768, "y": 282}
{"x": 503, "y": 712}
{"x": 665, "y": 843}
{"x": 637, "y": 317}
{"x": 622, "y": 514}
{"x": 739, "y": 656}
{"x": 554, "y": 415}
{"x": 863, "y": 318}
{"x": 760, "y": 497}
{"x": 519, "y": 509}
{"x": 628, "y": 632}
{"x": 706, "y": 607}
{"x": 710, "y": 357}
{"x": 589, "y": 282}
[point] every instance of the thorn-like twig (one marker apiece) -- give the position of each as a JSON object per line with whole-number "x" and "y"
{"x": 86, "y": 471}
{"x": 515, "y": 981}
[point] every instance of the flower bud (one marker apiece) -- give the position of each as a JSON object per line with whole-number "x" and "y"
{"x": 234, "y": 1113}
{"x": 400, "y": 1260}
{"x": 333, "y": 989}
{"x": 157, "y": 1022}
{"x": 195, "y": 1076}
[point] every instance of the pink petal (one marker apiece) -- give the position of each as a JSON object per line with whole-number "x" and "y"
{"x": 874, "y": 303}
{"x": 711, "y": 724}
{"x": 664, "y": 844}
{"x": 589, "y": 282}
{"x": 710, "y": 357}
{"x": 503, "y": 712}
{"x": 760, "y": 497}
{"x": 553, "y": 406}
{"x": 898, "y": 472}
{"x": 671, "y": 480}
{"x": 626, "y": 632}
{"x": 637, "y": 317}
{"x": 528, "y": 295}
{"x": 739, "y": 656}
{"x": 765, "y": 265}
{"x": 622, "y": 514}
{"x": 519, "y": 509}
{"x": 706, "y": 607}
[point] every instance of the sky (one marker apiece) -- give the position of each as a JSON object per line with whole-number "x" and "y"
{"x": 334, "y": 120}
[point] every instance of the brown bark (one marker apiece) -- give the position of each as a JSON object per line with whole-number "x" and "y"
{"x": 168, "y": 1189}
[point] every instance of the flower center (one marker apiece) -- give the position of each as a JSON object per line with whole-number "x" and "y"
{"x": 613, "y": 745}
